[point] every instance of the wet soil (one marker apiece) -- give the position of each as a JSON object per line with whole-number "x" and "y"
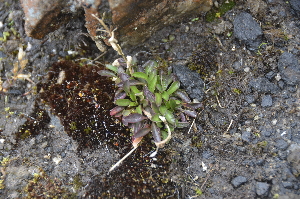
{"x": 57, "y": 139}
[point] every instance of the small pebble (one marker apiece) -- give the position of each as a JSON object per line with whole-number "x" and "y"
{"x": 238, "y": 181}
{"x": 266, "y": 101}
{"x": 262, "y": 189}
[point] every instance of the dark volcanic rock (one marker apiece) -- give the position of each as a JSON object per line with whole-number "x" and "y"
{"x": 238, "y": 181}
{"x": 294, "y": 159}
{"x": 246, "y": 136}
{"x": 281, "y": 144}
{"x": 289, "y": 68}
{"x": 263, "y": 85}
{"x": 295, "y": 4}
{"x": 190, "y": 80}
{"x": 247, "y": 30}
{"x": 266, "y": 101}
{"x": 262, "y": 189}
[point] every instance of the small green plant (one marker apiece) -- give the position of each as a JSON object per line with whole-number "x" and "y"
{"x": 198, "y": 192}
{"x": 148, "y": 98}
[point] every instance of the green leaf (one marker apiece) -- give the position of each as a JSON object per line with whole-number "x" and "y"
{"x": 164, "y": 134}
{"x": 171, "y": 104}
{"x": 150, "y": 65}
{"x": 133, "y": 104}
{"x": 182, "y": 124}
{"x": 158, "y": 99}
{"x": 145, "y": 102}
{"x": 140, "y": 75}
{"x": 139, "y": 109}
{"x": 126, "y": 112}
{"x": 166, "y": 81}
{"x": 106, "y": 73}
{"x": 126, "y": 86}
{"x": 174, "y": 86}
{"x": 165, "y": 96}
{"x": 154, "y": 107}
{"x": 152, "y": 74}
{"x": 163, "y": 110}
{"x": 170, "y": 117}
{"x": 132, "y": 96}
{"x": 134, "y": 89}
{"x": 152, "y": 83}
{"x": 155, "y": 118}
{"x": 122, "y": 102}
{"x": 159, "y": 87}
{"x": 111, "y": 67}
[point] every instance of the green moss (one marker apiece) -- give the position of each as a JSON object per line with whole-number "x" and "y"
{"x": 196, "y": 142}
{"x": 198, "y": 192}
{"x": 262, "y": 144}
{"x": 237, "y": 91}
{"x": 42, "y": 184}
{"x": 5, "y": 161}
{"x": 4, "y": 36}
{"x": 77, "y": 183}
{"x": 220, "y": 11}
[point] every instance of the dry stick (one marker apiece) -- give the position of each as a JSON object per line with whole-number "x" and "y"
{"x": 112, "y": 40}
{"x": 229, "y": 126}
{"x": 121, "y": 160}
{"x": 219, "y": 102}
{"x": 193, "y": 122}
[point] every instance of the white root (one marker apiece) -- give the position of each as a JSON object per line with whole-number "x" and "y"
{"x": 121, "y": 160}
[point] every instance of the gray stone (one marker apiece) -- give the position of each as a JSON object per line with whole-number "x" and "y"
{"x": 238, "y": 181}
{"x": 262, "y": 189}
{"x": 294, "y": 158}
{"x": 270, "y": 75}
{"x": 289, "y": 68}
{"x": 288, "y": 185}
{"x": 190, "y": 80}
{"x": 263, "y": 85}
{"x": 281, "y": 144}
{"x": 266, "y": 101}
{"x": 247, "y": 30}
{"x": 246, "y": 136}
{"x": 250, "y": 98}
{"x": 295, "y": 4}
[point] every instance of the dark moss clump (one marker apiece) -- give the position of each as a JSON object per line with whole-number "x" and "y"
{"x": 203, "y": 61}
{"x": 38, "y": 120}
{"x": 42, "y": 186}
{"x": 139, "y": 176}
{"x": 82, "y": 100}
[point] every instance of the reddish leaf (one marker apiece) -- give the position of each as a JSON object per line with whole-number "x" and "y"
{"x": 133, "y": 118}
{"x": 142, "y": 132}
{"x": 155, "y": 132}
{"x": 116, "y": 110}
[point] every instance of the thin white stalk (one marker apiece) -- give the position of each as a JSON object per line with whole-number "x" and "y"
{"x": 162, "y": 143}
{"x": 121, "y": 160}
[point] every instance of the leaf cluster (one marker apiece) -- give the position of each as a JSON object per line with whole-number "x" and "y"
{"x": 145, "y": 94}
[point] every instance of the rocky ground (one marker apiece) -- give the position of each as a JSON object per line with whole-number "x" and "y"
{"x": 244, "y": 67}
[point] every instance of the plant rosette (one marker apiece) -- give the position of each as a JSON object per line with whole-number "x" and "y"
{"x": 149, "y": 99}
